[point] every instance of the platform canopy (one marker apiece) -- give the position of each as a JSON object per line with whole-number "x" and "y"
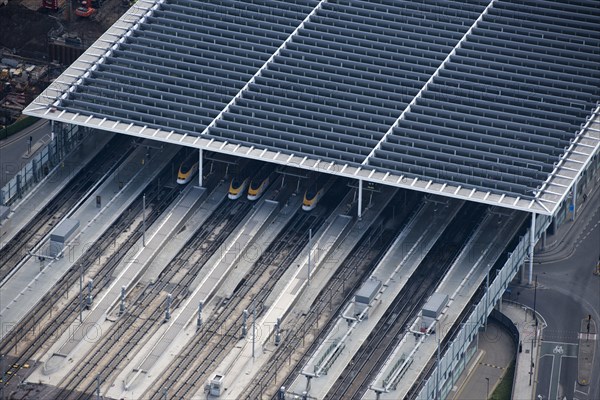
{"x": 488, "y": 101}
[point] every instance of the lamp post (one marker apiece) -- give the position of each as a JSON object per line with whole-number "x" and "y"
{"x": 487, "y": 395}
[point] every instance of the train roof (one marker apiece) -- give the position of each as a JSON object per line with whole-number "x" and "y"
{"x": 488, "y": 101}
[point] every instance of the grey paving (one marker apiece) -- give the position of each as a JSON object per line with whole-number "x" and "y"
{"x": 488, "y": 366}
{"x": 14, "y": 150}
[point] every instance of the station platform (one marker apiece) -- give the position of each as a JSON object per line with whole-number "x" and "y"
{"x": 39, "y": 197}
{"x": 405, "y": 254}
{"x": 214, "y": 272}
{"x": 127, "y": 273}
{"x": 402, "y": 369}
{"x": 236, "y": 364}
{"x": 34, "y": 278}
{"x": 339, "y": 253}
{"x": 294, "y": 296}
{"x": 189, "y": 227}
{"x": 132, "y": 384}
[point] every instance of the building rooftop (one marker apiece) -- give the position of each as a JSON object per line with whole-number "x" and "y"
{"x": 489, "y": 101}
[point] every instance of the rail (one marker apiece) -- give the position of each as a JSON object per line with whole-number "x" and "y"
{"x": 431, "y": 389}
{"x": 27, "y": 330}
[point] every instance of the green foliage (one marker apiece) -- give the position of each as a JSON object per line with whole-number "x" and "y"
{"x": 17, "y": 126}
{"x": 504, "y": 389}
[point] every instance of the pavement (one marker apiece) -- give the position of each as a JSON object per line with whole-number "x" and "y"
{"x": 587, "y": 351}
{"x": 567, "y": 293}
{"x": 488, "y": 366}
{"x": 497, "y": 351}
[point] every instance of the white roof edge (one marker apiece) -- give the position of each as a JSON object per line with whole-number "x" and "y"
{"x": 585, "y": 132}
{"x": 42, "y": 107}
{"x": 447, "y": 190}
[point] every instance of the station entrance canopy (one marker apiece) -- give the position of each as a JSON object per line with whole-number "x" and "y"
{"x": 488, "y": 101}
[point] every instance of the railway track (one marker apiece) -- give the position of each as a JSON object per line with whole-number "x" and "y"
{"x": 372, "y": 354}
{"x": 221, "y": 332}
{"x": 347, "y": 279}
{"x": 464, "y": 315}
{"x": 42, "y": 327}
{"x": 414, "y": 391}
{"x": 75, "y": 191}
{"x": 146, "y": 312}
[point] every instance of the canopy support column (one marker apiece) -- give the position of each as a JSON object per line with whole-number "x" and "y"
{"x": 531, "y": 245}
{"x": 574, "y": 203}
{"x": 200, "y": 171}
{"x": 360, "y": 184}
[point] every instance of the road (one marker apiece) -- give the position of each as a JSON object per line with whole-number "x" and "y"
{"x": 567, "y": 292}
{"x": 13, "y": 148}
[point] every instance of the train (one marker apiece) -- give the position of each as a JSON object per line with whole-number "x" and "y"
{"x": 187, "y": 170}
{"x": 315, "y": 192}
{"x": 238, "y": 186}
{"x": 260, "y": 183}
{"x": 311, "y": 197}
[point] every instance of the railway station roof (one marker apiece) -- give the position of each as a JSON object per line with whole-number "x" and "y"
{"x": 489, "y": 101}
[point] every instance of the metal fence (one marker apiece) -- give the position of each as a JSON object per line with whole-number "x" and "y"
{"x": 66, "y": 138}
{"x": 446, "y": 373}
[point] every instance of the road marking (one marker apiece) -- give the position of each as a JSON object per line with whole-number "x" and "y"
{"x": 587, "y": 336}
{"x": 548, "y": 341}
{"x": 577, "y": 390}
{"x": 491, "y": 365}
{"x": 558, "y": 376}
{"x": 550, "y": 380}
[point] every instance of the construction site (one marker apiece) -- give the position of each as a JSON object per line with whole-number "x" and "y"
{"x": 39, "y": 39}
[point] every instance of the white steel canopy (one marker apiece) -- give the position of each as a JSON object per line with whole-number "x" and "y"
{"x": 488, "y": 101}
